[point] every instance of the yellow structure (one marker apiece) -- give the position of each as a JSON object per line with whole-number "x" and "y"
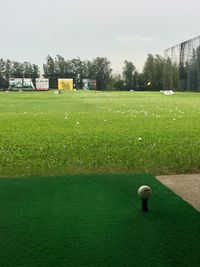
{"x": 65, "y": 84}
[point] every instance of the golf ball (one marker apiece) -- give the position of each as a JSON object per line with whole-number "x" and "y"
{"x": 144, "y": 192}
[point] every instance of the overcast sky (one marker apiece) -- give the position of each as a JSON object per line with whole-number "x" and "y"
{"x": 116, "y": 29}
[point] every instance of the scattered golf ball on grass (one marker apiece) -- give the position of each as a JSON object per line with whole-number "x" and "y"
{"x": 144, "y": 193}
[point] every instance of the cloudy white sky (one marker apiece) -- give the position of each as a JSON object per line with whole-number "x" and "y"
{"x": 117, "y": 29}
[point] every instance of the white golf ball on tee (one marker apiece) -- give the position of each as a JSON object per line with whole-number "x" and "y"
{"x": 144, "y": 192}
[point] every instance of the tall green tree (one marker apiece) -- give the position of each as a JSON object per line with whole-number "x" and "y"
{"x": 116, "y": 82}
{"x": 35, "y": 71}
{"x": 79, "y": 71}
{"x": 175, "y": 76}
{"x": 27, "y": 70}
{"x": 148, "y": 72}
{"x": 139, "y": 81}
{"x": 2, "y": 74}
{"x": 8, "y": 66}
{"x": 50, "y": 72}
{"x": 49, "y": 68}
{"x": 101, "y": 72}
{"x": 158, "y": 72}
{"x": 168, "y": 83}
{"x": 128, "y": 75}
{"x": 61, "y": 69}
{"x": 17, "y": 70}
{"x": 198, "y": 68}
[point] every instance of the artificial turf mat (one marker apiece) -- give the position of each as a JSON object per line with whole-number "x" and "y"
{"x": 95, "y": 221}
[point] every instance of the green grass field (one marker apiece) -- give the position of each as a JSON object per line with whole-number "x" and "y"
{"x": 95, "y": 220}
{"x": 88, "y": 132}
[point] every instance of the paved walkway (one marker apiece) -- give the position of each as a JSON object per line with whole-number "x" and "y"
{"x": 186, "y": 186}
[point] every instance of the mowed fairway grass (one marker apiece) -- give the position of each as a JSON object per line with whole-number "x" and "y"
{"x": 89, "y": 132}
{"x": 95, "y": 220}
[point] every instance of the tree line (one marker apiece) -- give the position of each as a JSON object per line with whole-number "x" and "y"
{"x": 14, "y": 69}
{"x": 99, "y": 69}
{"x": 158, "y": 73}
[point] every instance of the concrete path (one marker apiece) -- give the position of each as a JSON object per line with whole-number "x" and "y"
{"x": 187, "y": 186}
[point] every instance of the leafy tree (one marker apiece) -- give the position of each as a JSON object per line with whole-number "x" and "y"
{"x": 148, "y": 72}
{"x": 2, "y": 74}
{"x": 89, "y": 69}
{"x": 79, "y": 71}
{"x": 14, "y": 69}
{"x": 139, "y": 81}
{"x": 183, "y": 71}
{"x": 168, "y": 74}
{"x": 116, "y": 83}
{"x": 17, "y": 70}
{"x": 8, "y": 66}
{"x": 49, "y": 68}
{"x": 198, "y": 68}
{"x": 158, "y": 71}
{"x": 27, "y": 70}
{"x": 100, "y": 70}
{"x": 128, "y": 75}
{"x": 60, "y": 67}
{"x": 49, "y": 72}
{"x": 35, "y": 71}
{"x": 175, "y": 76}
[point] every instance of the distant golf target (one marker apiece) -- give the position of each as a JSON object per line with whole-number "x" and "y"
{"x": 21, "y": 83}
{"x": 65, "y": 84}
{"x": 42, "y": 84}
{"x": 89, "y": 84}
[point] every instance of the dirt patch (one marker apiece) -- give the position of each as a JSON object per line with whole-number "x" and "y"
{"x": 187, "y": 186}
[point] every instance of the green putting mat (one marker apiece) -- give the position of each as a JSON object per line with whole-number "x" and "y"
{"x": 95, "y": 220}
